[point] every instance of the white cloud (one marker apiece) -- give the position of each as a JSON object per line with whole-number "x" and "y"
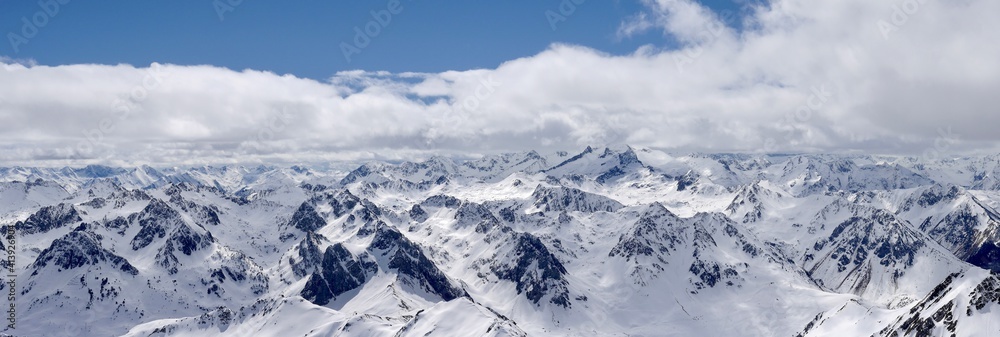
{"x": 838, "y": 76}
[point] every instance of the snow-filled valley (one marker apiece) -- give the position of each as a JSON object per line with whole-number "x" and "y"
{"x": 604, "y": 242}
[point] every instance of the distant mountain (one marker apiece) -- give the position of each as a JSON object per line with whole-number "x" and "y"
{"x": 607, "y": 241}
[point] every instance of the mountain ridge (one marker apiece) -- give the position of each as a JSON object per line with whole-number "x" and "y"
{"x": 607, "y": 241}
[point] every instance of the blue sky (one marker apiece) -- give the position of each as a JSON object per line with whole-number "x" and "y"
{"x": 304, "y": 37}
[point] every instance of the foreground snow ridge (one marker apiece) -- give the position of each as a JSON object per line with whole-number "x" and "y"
{"x": 604, "y": 242}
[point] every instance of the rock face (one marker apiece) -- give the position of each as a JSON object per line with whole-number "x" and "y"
{"x": 77, "y": 249}
{"x": 185, "y": 240}
{"x": 154, "y": 220}
{"x": 944, "y": 310}
{"x": 203, "y": 215}
{"x": 535, "y": 271}
{"x": 749, "y": 204}
{"x": 986, "y": 292}
{"x": 339, "y": 272}
{"x": 655, "y": 234}
{"x": 957, "y": 220}
{"x": 408, "y": 259}
{"x": 870, "y": 243}
{"x": 988, "y": 257}
{"x": 306, "y": 219}
{"x": 158, "y": 221}
{"x": 441, "y": 201}
{"x": 470, "y": 214}
{"x": 310, "y": 257}
{"x": 570, "y": 199}
{"x": 342, "y": 203}
{"x": 48, "y": 218}
{"x": 418, "y": 214}
{"x": 660, "y": 238}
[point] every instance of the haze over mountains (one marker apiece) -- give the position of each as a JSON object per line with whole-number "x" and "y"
{"x": 606, "y": 241}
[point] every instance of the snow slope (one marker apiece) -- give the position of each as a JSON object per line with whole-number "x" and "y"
{"x": 604, "y": 242}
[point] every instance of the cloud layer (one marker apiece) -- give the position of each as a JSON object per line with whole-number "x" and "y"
{"x": 917, "y": 77}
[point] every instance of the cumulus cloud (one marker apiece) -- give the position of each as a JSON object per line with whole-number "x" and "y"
{"x": 895, "y": 76}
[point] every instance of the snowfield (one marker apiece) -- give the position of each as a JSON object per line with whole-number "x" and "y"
{"x": 604, "y": 242}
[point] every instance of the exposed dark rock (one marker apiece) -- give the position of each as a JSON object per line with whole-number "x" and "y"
{"x": 306, "y": 219}
{"x": 119, "y": 224}
{"x": 470, "y": 213}
{"x": 96, "y": 203}
{"x": 654, "y": 234}
{"x": 586, "y": 151}
{"x": 441, "y": 201}
{"x": 185, "y": 240}
{"x": 686, "y": 181}
{"x": 339, "y": 272}
{"x": 986, "y": 292}
{"x": 571, "y": 199}
{"x": 77, "y": 249}
{"x": 508, "y": 214}
{"x": 535, "y": 271}
{"x": 409, "y": 260}
{"x": 872, "y": 240}
{"x": 358, "y": 173}
{"x": 418, "y": 214}
{"x": 988, "y": 257}
{"x": 154, "y": 221}
{"x": 309, "y": 255}
{"x": 343, "y": 202}
{"x": 48, "y": 218}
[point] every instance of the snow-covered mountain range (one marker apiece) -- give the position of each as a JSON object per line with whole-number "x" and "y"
{"x": 604, "y": 242}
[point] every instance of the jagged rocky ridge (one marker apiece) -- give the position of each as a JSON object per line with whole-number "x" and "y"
{"x": 603, "y": 242}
